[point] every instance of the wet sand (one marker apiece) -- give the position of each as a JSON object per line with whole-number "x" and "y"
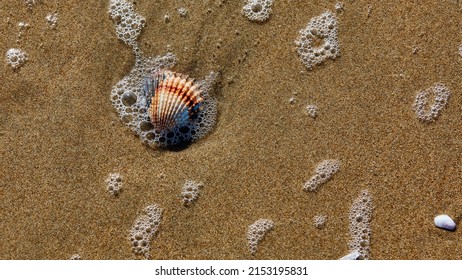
{"x": 60, "y": 137}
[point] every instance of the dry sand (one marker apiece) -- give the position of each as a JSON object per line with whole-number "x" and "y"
{"x": 60, "y": 137}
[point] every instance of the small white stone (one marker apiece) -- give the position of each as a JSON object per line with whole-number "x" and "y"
{"x": 352, "y": 256}
{"x": 445, "y": 222}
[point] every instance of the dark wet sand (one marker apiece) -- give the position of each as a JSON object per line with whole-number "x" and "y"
{"x": 60, "y": 137}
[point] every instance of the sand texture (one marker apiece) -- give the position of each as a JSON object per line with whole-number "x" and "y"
{"x": 60, "y": 137}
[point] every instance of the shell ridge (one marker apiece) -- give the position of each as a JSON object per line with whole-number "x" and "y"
{"x": 155, "y": 99}
{"x": 179, "y": 113}
{"x": 165, "y": 99}
{"x": 175, "y": 100}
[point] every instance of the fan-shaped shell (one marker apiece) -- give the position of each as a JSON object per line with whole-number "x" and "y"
{"x": 173, "y": 99}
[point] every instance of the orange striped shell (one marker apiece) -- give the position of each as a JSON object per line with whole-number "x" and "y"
{"x": 174, "y": 99}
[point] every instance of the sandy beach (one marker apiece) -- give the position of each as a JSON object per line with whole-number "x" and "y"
{"x": 60, "y": 137}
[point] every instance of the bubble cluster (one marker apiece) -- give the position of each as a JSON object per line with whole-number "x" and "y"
{"x": 31, "y": 3}
{"x": 16, "y": 58}
{"x": 257, "y": 10}
{"x": 320, "y": 221}
{"x": 23, "y": 27}
{"x": 144, "y": 229}
{"x": 421, "y": 107}
{"x": 52, "y": 20}
{"x": 339, "y": 6}
{"x": 257, "y": 231}
{"x": 312, "y": 110}
{"x": 128, "y": 23}
{"x": 183, "y": 12}
{"x": 323, "y": 172}
{"x": 318, "y": 41}
{"x": 360, "y": 224}
{"x": 190, "y": 192}
{"x": 292, "y": 100}
{"x": 114, "y": 184}
{"x": 75, "y": 257}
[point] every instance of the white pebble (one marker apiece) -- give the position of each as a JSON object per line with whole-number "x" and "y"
{"x": 352, "y": 256}
{"x": 445, "y": 222}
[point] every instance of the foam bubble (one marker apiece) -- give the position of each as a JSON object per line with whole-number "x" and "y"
{"x": 75, "y": 257}
{"x": 360, "y": 224}
{"x": 323, "y": 173}
{"x": 312, "y": 110}
{"x": 190, "y": 192}
{"x": 16, "y": 58}
{"x": 144, "y": 229}
{"x": 183, "y": 12}
{"x": 256, "y": 232}
{"x": 318, "y": 41}
{"x": 441, "y": 97}
{"x": 31, "y": 3}
{"x": 23, "y": 25}
{"x": 52, "y": 20}
{"x": 257, "y": 10}
{"x": 128, "y": 23}
{"x": 114, "y": 184}
{"x": 339, "y": 6}
{"x": 320, "y": 221}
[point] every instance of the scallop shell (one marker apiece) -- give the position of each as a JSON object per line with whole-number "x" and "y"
{"x": 445, "y": 222}
{"x": 172, "y": 98}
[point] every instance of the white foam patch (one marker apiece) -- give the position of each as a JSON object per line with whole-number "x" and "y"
{"x": 190, "y": 192}
{"x": 319, "y": 40}
{"x": 320, "y": 221}
{"x": 114, "y": 184}
{"x": 144, "y": 230}
{"x": 183, "y": 12}
{"x": 339, "y": 6}
{"x": 360, "y": 224}
{"x": 16, "y": 58}
{"x": 75, "y": 257}
{"x": 52, "y": 20}
{"x": 128, "y": 23}
{"x": 257, "y": 10}
{"x": 31, "y": 3}
{"x": 323, "y": 173}
{"x": 312, "y": 110}
{"x": 256, "y": 232}
{"x": 423, "y": 111}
